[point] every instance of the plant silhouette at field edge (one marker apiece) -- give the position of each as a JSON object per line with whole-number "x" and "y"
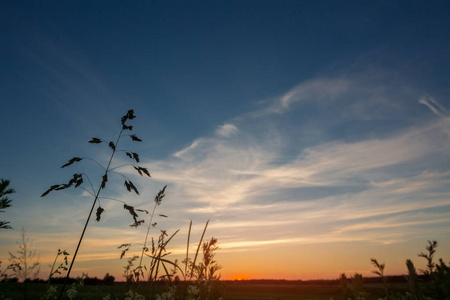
{"x": 5, "y": 202}
{"x": 380, "y": 272}
{"x": 430, "y": 272}
{"x": 27, "y": 258}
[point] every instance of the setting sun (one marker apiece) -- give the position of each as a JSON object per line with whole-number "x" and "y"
{"x": 240, "y": 277}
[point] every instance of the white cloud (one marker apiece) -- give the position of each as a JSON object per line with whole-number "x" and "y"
{"x": 227, "y": 130}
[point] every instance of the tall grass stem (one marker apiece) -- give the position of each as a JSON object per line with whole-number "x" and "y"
{"x": 88, "y": 218}
{"x": 198, "y": 248}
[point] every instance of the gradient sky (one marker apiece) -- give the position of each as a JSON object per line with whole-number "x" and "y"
{"x": 314, "y": 135}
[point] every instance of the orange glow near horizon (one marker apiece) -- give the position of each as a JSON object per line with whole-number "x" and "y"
{"x": 239, "y": 277}
{"x": 289, "y": 261}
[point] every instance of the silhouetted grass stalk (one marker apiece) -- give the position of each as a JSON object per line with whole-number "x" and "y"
{"x": 158, "y": 199}
{"x": 187, "y": 247}
{"x": 206, "y": 283}
{"x": 198, "y": 248}
{"x": 77, "y": 180}
{"x": 158, "y": 259}
{"x": 380, "y": 272}
{"x": 413, "y": 280}
{"x": 89, "y": 216}
{"x": 62, "y": 266}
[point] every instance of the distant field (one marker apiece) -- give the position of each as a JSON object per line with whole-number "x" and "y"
{"x": 253, "y": 291}
{"x": 278, "y": 291}
{"x": 233, "y": 291}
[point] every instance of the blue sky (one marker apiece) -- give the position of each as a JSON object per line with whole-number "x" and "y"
{"x": 296, "y": 127}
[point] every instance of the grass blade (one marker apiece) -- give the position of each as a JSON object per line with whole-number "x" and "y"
{"x": 187, "y": 247}
{"x": 198, "y": 248}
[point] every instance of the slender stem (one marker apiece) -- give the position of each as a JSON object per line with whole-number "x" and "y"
{"x": 88, "y": 218}
{"x": 146, "y": 237}
{"x": 114, "y": 199}
{"x": 95, "y": 162}
{"x": 187, "y": 248}
{"x": 90, "y": 183}
{"x": 198, "y": 248}
{"x": 162, "y": 247}
{"x": 92, "y": 194}
{"x": 51, "y": 271}
{"x": 111, "y": 171}
{"x": 124, "y": 165}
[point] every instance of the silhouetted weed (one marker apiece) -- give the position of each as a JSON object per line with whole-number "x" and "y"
{"x": 78, "y": 179}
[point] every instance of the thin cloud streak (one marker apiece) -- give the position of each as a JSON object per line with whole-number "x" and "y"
{"x": 433, "y": 105}
{"x": 389, "y": 224}
{"x": 311, "y": 91}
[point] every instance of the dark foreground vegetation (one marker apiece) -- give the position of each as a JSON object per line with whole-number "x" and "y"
{"x": 232, "y": 290}
{"x": 202, "y": 283}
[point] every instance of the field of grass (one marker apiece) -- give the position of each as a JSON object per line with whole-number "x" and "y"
{"x": 286, "y": 290}
{"x": 253, "y": 291}
{"x": 233, "y": 290}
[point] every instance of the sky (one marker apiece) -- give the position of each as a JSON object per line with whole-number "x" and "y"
{"x": 314, "y": 135}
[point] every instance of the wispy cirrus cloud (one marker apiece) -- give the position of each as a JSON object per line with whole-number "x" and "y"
{"x": 433, "y": 105}
{"x": 319, "y": 187}
{"x": 311, "y": 91}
